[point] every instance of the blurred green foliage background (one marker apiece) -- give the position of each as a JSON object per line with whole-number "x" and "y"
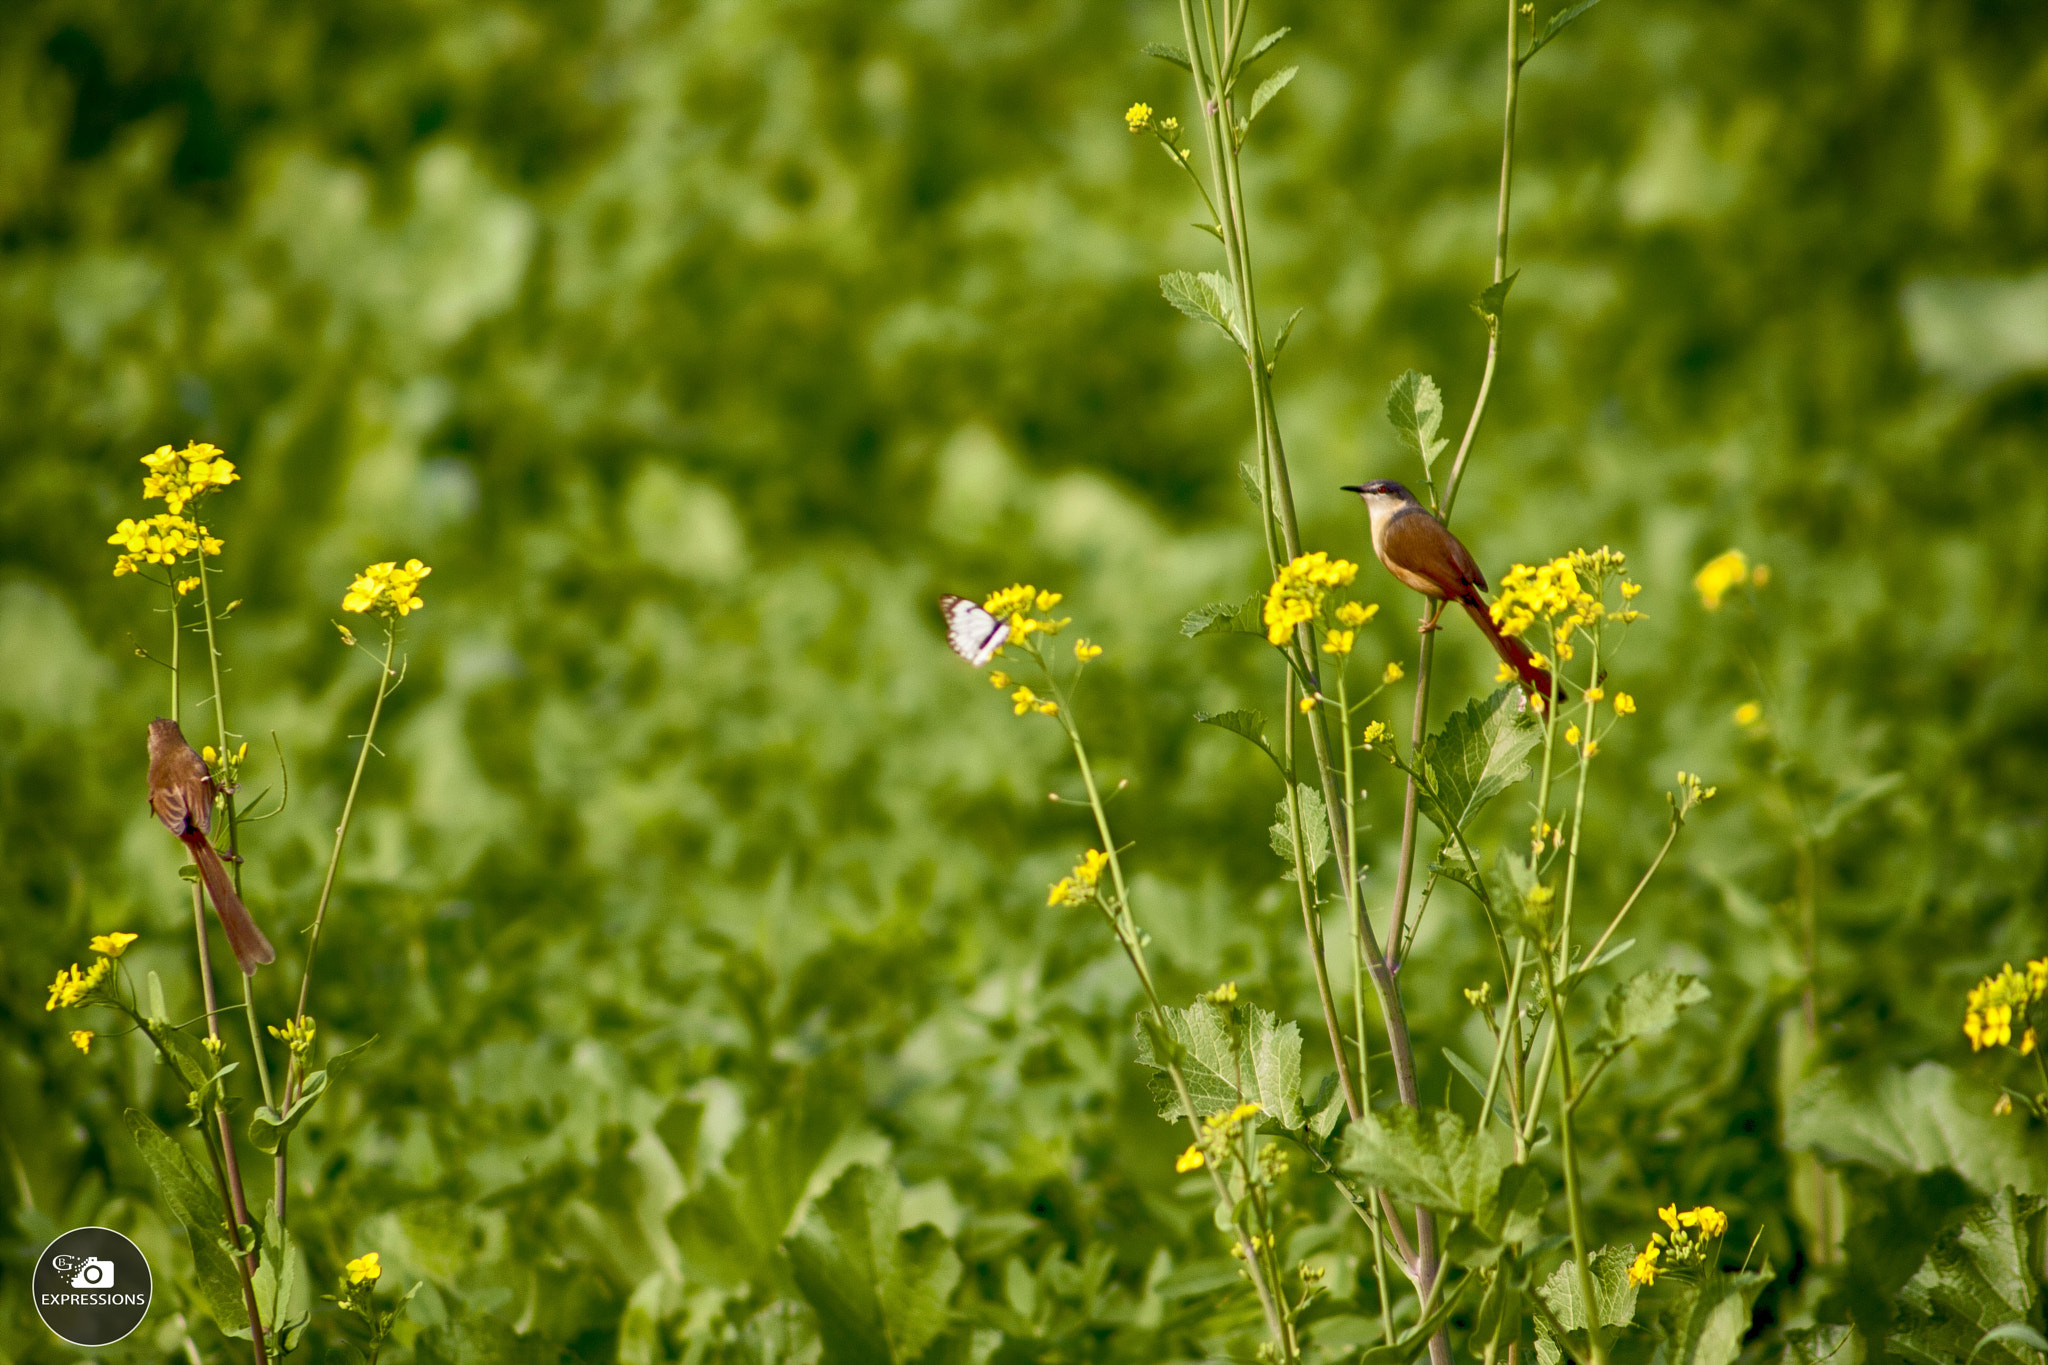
{"x": 697, "y": 346}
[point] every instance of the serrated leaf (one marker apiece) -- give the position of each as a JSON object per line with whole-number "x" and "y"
{"x": 1493, "y": 299}
{"x": 1206, "y": 297}
{"x": 1915, "y": 1121}
{"x": 1430, "y": 1157}
{"x": 1222, "y": 618}
{"x": 1315, "y": 829}
{"x": 1248, "y": 480}
{"x": 1415, "y": 407}
{"x": 1268, "y": 88}
{"x": 1260, "y": 48}
{"x": 196, "y": 1203}
{"x": 1327, "y": 1111}
{"x": 1705, "y": 1320}
{"x": 1286, "y": 331}
{"x": 1168, "y": 52}
{"x": 1644, "y": 1006}
{"x": 1614, "y": 1298}
{"x": 1250, "y": 725}
{"x": 1481, "y": 751}
{"x": 880, "y": 1294}
{"x": 1978, "y": 1279}
{"x": 1558, "y": 23}
{"x": 1220, "y": 1075}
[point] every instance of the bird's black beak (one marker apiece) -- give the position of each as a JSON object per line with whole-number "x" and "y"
{"x": 1352, "y": 488}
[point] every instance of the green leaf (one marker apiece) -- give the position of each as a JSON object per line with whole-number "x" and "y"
{"x": 1482, "y": 750}
{"x": 268, "y": 1129}
{"x": 2012, "y": 1331}
{"x": 1221, "y": 618}
{"x": 1268, "y": 88}
{"x": 195, "y": 1202}
{"x": 1315, "y": 828}
{"x": 1476, "y": 1078}
{"x": 1979, "y": 1281}
{"x": 1915, "y": 1121}
{"x": 1248, "y": 480}
{"x": 1644, "y": 1006}
{"x": 1405, "y": 1348}
{"x": 1286, "y": 331}
{"x": 1249, "y": 725}
{"x": 1205, "y": 297}
{"x": 1260, "y": 48}
{"x": 283, "y": 1300}
{"x": 1614, "y": 1299}
{"x": 188, "y": 1058}
{"x": 158, "y": 1014}
{"x": 1328, "y": 1109}
{"x": 1493, "y": 299}
{"x": 1706, "y": 1319}
{"x": 1220, "y": 1076}
{"x": 1558, "y": 23}
{"x": 1168, "y": 52}
{"x": 1416, "y": 408}
{"x": 1825, "y": 1344}
{"x": 730, "y": 1229}
{"x": 1429, "y": 1157}
{"x": 880, "y": 1294}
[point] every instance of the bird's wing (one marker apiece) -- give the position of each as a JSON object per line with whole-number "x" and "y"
{"x": 1426, "y": 549}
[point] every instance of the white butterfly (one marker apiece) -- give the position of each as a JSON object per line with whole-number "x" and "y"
{"x": 974, "y": 634}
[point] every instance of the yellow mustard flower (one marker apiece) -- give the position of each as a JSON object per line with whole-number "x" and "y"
{"x": 1338, "y": 642}
{"x": 1391, "y": 674}
{"x": 1085, "y": 652}
{"x": 1571, "y": 734}
{"x": 1373, "y": 733}
{"x": 1356, "y": 614}
{"x": 1645, "y": 1269}
{"x": 365, "y": 1269}
{"x": 1993, "y": 1001}
{"x": 73, "y": 986}
{"x": 1190, "y": 1160}
{"x": 112, "y": 945}
{"x": 182, "y": 476}
{"x": 1748, "y": 714}
{"x": 297, "y": 1034}
{"x": 1297, "y": 594}
{"x": 999, "y": 680}
{"x": 1719, "y": 575}
{"x": 186, "y": 585}
{"x": 1306, "y": 705}
{"x": 1022, "y": 700}
{"x": 1062, "y": 893}
{"x": 1223, "y": 994}
{"x": 1138, "y": 117}
{"x": 1710, "y": 1221}
{"x": 387, "y": 589}
{"x": 1629, "y": 591}
{"x": 81, "y": 1038}
{"x": 1624, "y": 704}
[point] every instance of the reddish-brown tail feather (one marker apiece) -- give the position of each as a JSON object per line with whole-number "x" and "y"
{"x": 1518, "y": 655}
{"x": 252, "y": 950}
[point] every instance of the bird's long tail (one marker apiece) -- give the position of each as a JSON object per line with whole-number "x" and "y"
{"x": 1512, "y": 649}
{"x": 252, "y": 950}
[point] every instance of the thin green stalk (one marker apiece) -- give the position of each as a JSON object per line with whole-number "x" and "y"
{"x": 1504, "y": 1041}
{"x": 1350, "y": 869}
{"x": 1269, "y": 1302}
{"x": 1560, "y": 1049}
{"x": 348, "y": 807}
{"x": 1670, "y": 837}
{"x": 237, "y": 1219}
{"x": 1311, "y": 922}
{"x": 175, "y": 633}
{"x": 1571, "y": 857}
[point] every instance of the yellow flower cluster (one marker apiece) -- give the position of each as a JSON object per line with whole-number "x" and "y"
{"x": 1748, "y": 714}
{"x": 1719, "y": 576}
{"x": 364, "y": 1269}
{"x": 1015, "y": 604}
{"x": 1689, "y": 1234}
{"x": 1079, "y": 886}
{"x": 1085, "y": 653}
{"x": 1024, "y": 699}
{"x": 1692, "y": 790}
{"x": 75, "y": 987}
{"x": 1138, "y": 117}
{"x": 182, "y": 476}
{"x": 165, "y": 538}
{"x": 81, "y": 1038}
{"x": 1297, "y": 595}
{"x": 297, "y": 1034}
{"x": 1996, "y": 999}
{"x": 1564, "y": 594}
{"x": 386, "y": 589}
{"x": 1219, "y": 1130}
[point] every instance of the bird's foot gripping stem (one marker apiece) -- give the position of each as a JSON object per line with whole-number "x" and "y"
{"x": 1433, "y": 621}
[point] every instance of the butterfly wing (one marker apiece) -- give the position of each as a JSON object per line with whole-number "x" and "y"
{"x": 974, "y": 634}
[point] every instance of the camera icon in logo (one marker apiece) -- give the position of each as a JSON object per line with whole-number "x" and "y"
{"x": 93, "y": 1273}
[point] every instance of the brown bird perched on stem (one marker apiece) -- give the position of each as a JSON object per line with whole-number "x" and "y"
{"x": 181, "y": 794}
{"x": 1421, "y": 551}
